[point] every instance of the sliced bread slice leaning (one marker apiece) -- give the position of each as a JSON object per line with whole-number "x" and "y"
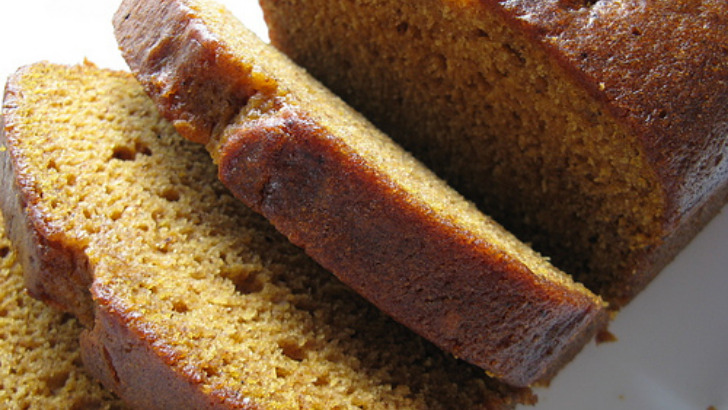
{"x": 190, "y": 299}
{"x": 354, "y": 200}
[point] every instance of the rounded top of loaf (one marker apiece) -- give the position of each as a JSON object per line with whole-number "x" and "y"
{"x": 661, "y": 66}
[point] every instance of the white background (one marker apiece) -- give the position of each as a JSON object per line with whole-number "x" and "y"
{"x": 672, "y": 351}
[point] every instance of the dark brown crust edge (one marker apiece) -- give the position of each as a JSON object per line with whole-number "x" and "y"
{"x": 194, "y": 107}
{"x": 520, "y": 341}
{"x": 461, "y": 293}
{"x": 59, "y": 273}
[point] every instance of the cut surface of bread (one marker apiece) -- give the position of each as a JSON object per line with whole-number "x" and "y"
{"x": 40, "y": 359}
{"x": 593, "y": 129}
{"x": 353, "y": 199}
{"x": 190, "y": 299}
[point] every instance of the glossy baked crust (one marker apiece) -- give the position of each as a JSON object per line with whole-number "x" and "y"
{"x": 427, "y": 270}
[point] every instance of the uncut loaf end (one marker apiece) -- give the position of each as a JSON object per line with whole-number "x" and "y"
{"x": 189, "y": 299}
{"x": 354, "y": 200}
{"x": 595, "y": 130}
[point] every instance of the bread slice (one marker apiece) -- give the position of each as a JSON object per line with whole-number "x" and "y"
{"x": 190, "y": 299}
{"x": 354, "y": 200}
{"x": 40, "y": 356}
{"x": 593, "y": 129}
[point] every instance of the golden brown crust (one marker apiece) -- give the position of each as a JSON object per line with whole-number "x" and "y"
{"x": 436, "y": 277}
{"x": 193, "y": 106}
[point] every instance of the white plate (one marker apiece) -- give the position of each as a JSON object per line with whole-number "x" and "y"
{"x": 672, "y": 351}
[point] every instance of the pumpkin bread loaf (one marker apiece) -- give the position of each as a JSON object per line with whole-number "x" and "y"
{"x": 354, "y": 200}
{"x": 189, "y": 299}
{"x": 40, "y": 359}
{"x": 595, "y": 130}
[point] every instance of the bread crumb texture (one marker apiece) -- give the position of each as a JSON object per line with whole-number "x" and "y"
{"x": 40, "y": 362}
{"x": 227, "y": 298}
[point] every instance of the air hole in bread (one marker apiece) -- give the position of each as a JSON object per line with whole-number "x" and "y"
{"x": 576, "y": 4}
{"x": 249, "y": 284}
{"x": 180, "y": 307}
{"x": 282, "y": 373}
{"x": 171, "y": 194}
{"x": 115, "y": 214}
{"x": 4, "y": 251}
{"x": 142, "y": 148}
{"x": 321, "y": 381}
{"x": 71, "y": 180}
{"x": 210, "y": 371}
{"x": 124, "y": 154}
{"x": 163, "y": 246}
{"x": 292, "y": 349}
